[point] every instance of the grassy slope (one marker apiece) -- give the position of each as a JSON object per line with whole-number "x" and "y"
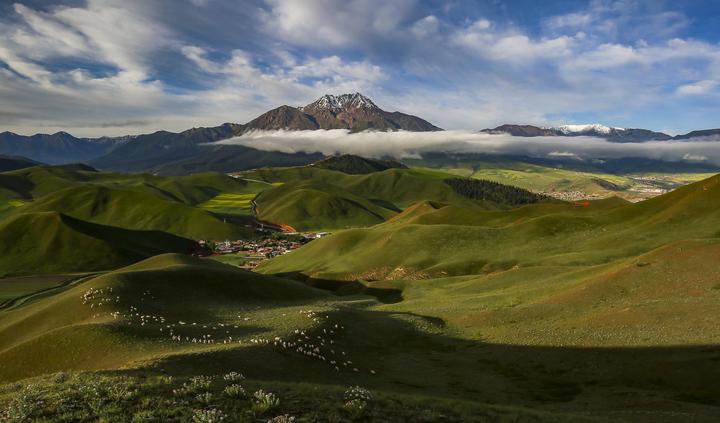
{"x": 79, "y": 338}
{"x": 314, "y": 198}
{"x": 456, "y": 241}
{"x": 11, "y": 288}
{"x": 540, "y": 178}
{"x": 414, "y": 358}
{"x": 317, "y": 205}
{"x": 668, "y": 296}
{"x": 136, "y": 210}
{"x": 535, "y": 177}
{"x": 137, "y": 201}
{"x": 37, "y": 243}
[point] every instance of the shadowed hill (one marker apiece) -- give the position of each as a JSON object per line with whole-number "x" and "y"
{"x": 134, "y": 201}
{"x": 356, "y": 165}
{"x": 8, "y": 163}
{"x": 34, "y": 243}
{"x": 136, "y": 210}
{"x": 174, "y": 286}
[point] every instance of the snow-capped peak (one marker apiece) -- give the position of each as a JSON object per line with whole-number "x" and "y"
{"x": 592, "y": 127}
{"x": 343, "y": 101}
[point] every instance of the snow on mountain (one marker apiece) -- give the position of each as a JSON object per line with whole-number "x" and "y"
{"x": 590, "y": 128}
{"x": 343, "y": 101}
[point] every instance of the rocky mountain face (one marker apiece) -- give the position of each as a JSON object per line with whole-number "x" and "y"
{"x": 523, "y": 131}
{"x": 347, "y": 111}
{"x": 190, "y": 151}
{"x": 592, "y": 130}
{"x": 148, "y": 151}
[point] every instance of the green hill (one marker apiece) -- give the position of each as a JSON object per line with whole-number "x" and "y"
{"x": 35, "y": 243}
{"x": 317, "y": 205}
{"x": 136, "y": 210}
{"x": 174, "y": 286}
{"x": 132, "y": 201}
{"x": 315, "y": 198}
{"x": 453, "y": 240}
{"x": 356, "y": 165}
{"x": 137, "y": 325}
{"x": 8, "y": 163}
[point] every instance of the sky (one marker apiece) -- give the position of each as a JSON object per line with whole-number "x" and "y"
{"x": 115, "y": 67}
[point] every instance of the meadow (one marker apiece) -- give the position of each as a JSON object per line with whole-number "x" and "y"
{"x": 422, "y": 305}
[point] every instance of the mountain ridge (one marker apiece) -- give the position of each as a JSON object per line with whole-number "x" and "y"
{"x": 613, "y": 134}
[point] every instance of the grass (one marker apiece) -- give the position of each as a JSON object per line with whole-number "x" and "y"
{"x": 448, "y": 310}
{"x": 420, "y": 371}
{"x": 313, "y": 198}
{"x": 131, "y": 201}
{"x": 138, "y": 397}
{"x": 11, "y": 288}
{"x": 231, "y": 259}
{"x": 553, "y": 179}
{"x": 46, "y": 243}
{"x": 229, "y": 204}
{"x": 454, "y": 240}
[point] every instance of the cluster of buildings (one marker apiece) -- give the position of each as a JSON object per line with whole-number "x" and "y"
{"x": 257, "y": 250}
{"x": 572, "y": 195}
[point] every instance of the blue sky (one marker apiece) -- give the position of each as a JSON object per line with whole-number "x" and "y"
{"x": 102, "y": 67}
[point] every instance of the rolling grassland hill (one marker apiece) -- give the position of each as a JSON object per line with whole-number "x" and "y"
{"x": 356, "y": 165}
{"x": 131, "y": 201}
{"x": 51, "y": 242}
{"x": 459, "y": 242}
{"x": 149, "y": 330}
{"x": 311, "y": 197}
{"x": 8, "y": 163}
{"x": 463, "y": 301}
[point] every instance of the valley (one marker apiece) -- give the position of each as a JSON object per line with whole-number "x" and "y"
{"x": 600, "y": 312}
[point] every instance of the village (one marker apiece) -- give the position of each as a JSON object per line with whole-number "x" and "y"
{"x": 248, "y": 253}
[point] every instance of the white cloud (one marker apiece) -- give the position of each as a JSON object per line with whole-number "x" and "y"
{"x": 698, "y": 88}
{"x": 404, "y": 144}
{"x": 694, "y": 157}
{"x": 351, "y": 22}
{"x": 494, "y": 45}
{"x": 425, "y": 27}
{"x": 404, "y": 55}
{"x": 570, "y": 20}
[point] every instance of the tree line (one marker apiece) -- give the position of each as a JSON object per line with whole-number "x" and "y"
{"x": 479, "y": 189}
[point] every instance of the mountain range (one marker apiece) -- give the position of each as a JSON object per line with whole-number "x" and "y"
{"x": 597, "y": 130}
{"x": 164, "y": 152}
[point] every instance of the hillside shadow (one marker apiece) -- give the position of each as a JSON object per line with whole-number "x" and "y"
{"x": 411, "y": 357}
{"x": 345, "y": 288}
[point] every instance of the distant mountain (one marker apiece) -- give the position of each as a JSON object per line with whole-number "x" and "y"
{"x": 347, "y": 111}
{"x": 523, "y": 131}
{"x": 57, "y": 148}
{"x": 711, "y": 133}
{"x": 591, "y": 130}
{"x": 8, "y": 163}
{"x": 191, "y": 151}
{"x": 356, "y": 165}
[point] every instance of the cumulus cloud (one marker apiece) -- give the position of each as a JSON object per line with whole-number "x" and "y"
{"x": 66, "y": 64}
{"x": 697, "y": 88}
{"x": 404, "y": 144}
{"x": 350, "y": 22}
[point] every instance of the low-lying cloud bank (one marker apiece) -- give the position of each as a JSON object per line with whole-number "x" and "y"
{"x": 403, "y": 144}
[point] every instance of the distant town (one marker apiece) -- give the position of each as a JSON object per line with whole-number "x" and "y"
{"x": 248, "y": 253}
